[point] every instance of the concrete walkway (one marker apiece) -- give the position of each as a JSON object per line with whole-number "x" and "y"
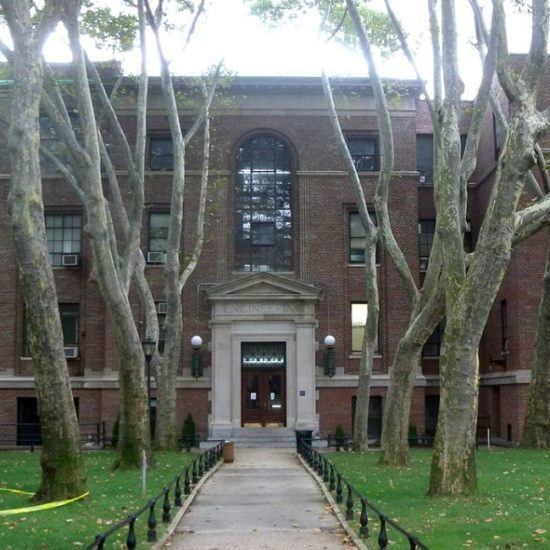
{"x": 265, "y": 500}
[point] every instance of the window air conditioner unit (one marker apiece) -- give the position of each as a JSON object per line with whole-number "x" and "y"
{"x": 71, "y": 352}
{"x": 70, "y": 260}
{"x": 161, "y": 308}
{"x": 422, "y": 178}
{"x": 156, "y": 257}
{"x": 424, "y": 264}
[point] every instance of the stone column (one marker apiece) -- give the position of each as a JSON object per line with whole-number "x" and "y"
{"x": 305, "y": 376}
{"x": 220, "y": 425}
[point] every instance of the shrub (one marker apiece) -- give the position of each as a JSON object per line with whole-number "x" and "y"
{"x": 189, "y": 433}
{"x": 340, "y": 437}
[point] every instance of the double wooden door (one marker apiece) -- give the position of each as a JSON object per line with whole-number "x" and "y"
{"x": 263, "y": 397}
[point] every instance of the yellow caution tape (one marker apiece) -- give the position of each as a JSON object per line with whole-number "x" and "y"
{"x": 39, "y": 507}
{"x": 15, "y": 491}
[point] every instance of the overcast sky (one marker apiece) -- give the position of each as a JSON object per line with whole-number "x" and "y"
{"x": 249, "y": 48}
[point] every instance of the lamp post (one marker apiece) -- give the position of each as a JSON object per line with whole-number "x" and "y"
{"x": 149, "y": 348}
{"x": 329, "y": 368}
{"x": 196, "y": 359}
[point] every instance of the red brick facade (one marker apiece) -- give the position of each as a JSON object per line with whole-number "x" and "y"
{"x": 292, "y": 110}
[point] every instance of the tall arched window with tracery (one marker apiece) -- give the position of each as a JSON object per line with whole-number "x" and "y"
{"x": 263, "y": 206}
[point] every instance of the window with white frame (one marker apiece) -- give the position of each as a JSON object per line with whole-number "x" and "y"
{"x": 159, "y": 223}
{"x": 357, "y": 236}
{"x": 64, "y": 235}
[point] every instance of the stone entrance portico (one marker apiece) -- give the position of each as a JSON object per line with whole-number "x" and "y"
{"x": 262, "y": 307}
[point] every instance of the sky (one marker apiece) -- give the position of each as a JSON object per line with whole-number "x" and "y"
{"x": 248, "y": 47}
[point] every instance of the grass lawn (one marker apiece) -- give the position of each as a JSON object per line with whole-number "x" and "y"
{"x": 512, "y": 509}
{"x": 114, "y": 495}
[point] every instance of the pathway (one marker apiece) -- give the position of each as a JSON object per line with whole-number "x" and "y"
{"x": 264, "y": 501}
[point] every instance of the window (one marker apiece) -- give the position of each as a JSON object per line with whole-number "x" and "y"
{"x": 69, "y": 323}
{"x": 50, "y": 140}
{"x": 431, "y": 408}
{"x": 25, "y": 345}
{"x": 357, "y": 238}
{"x": 503, "y": 326}
{"x": 159, "y": 222}
{"x": 426, "y": 232}
{"x": 263, "y": 206}
{"x": 432, "y": 347}
{"x": 358, "y": 326}
{"x": 364, "y": 153}
{"x": 374, "y": 426}
{"x": 161, "y": 153}
{"x": 64, "y": 234}
{"x": 68, "y": 314}
{"x": 425, "y": 157}
{"x": 161, "y": 316}
{"x": 496, "y": 138}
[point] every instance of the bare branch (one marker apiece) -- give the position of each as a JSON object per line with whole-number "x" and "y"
{"x": 541, "y": 163}
{"x": 191, "y": 31}
{"x": 387, "y": 154}
{"x": 539, "y": 43}
{"x": 509, "y": 85}
{"x": 469, "y": 158}
{"x": 408, "y": 54}
{"x": 436, "y": 53}
{"x": 199, "y": 238}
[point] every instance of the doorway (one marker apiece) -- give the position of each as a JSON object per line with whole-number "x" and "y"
{"x": 263, "y": 384}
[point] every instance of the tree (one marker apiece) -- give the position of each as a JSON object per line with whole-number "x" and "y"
{"x": 177, "y": 275}
{"x": 113, "y": 279}
{"x": 63, "y": 474}
{"x": 125, "y": 247}
{"x": 469, "y": 282}
{"x": 470, "y": 292}
{"x": 536, "y": 428}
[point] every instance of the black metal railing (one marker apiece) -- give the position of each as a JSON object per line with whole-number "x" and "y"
{"x": 343, "y": 489}
{"x": 27, "y": 434}
{"x": 170, "y": 497}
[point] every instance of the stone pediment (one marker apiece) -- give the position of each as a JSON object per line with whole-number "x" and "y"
{"x": 263, "y": 286}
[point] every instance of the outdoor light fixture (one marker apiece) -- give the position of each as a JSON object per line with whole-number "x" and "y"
{"x": 196, "y": 359}
{"x": 329, "y": 368}
{"x": 149, "y": 349}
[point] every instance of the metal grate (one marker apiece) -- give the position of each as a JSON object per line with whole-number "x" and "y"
{"x": 263, "y": 354}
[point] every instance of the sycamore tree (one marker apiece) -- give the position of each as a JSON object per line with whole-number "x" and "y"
{"x": 124, "y": 243}
{"x": 462, "y": 285}
{"x": 536, "y": 428}
{"x": 63, "y": 474}
{"x": 177, "y": 269}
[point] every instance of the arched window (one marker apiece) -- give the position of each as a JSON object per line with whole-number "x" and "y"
{"x": 263, "y": 206}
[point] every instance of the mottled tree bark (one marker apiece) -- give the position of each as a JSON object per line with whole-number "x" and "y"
{"x": 63, "y": 474}
{"x": 112, "y": 280}
{"x": 470, "y": 295}
{"x": 176, "y": 275}
{"x": 394, "y": 444}
{"x": 536, "y": 428}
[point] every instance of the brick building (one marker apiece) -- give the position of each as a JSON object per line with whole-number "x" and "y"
{"x": 280, "y": 270}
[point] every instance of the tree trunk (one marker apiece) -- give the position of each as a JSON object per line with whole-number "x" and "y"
{"x": 134, "y": 427}
{"x": 134, "y": 432}
{"x": 165, "y": 435}
{"x": 453, "y": 467}
{"x": 536, "y": 429}
{"x": 370, "y": 344}
{"x": 424, "y": 319}
{"x": 395, "y": 420}
{"x": 469, "y": 302}
{"x": 63, "y": 474}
